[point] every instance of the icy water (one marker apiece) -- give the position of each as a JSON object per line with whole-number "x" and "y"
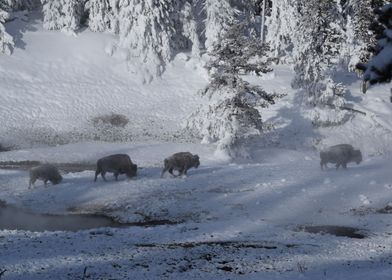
{"x": 64, "y": 167}
{"x": 335, "y": 230}
{"x": 12, "y": 218}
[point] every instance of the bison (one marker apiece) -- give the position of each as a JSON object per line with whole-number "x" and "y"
{"x": 45, "y": 172}
{"x": 340, "y": 155}
{"x": 181, "y": 162}
{"x": 117, "y": 164}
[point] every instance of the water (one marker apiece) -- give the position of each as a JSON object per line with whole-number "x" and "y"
{"x": 12, "y": 218}
{"x": 64, "y": 167}
{"x": 335, "y": 230}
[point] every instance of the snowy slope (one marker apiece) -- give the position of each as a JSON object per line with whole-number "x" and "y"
{"x": 55, "y": 84}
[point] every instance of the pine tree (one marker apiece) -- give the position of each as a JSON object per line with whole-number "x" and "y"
{"x": 151, "y": 33}
{"x": 6, "y": 40}
{"x": 63, "y": 15}
{"x": 220, "y": 15}
{"x": 233, "y": 54}
{"x": 232, "y": 113}
{"x": 23, "y": 4}
{"x": 317, "y": 44}
{"x": 52, "y": 14}
{"x": 146, "y": 31}
{"x": 282, "y": 24}
{"x": 249, "y": 12}
{"x": 358, "y": 16}
{"x": 190, "y": 28}
{"x": 103, "y": 15}
{"x": 379, "y": 68}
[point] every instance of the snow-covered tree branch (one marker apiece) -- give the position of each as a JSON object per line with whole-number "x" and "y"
{"x": 63, "y": 15}
{"x": 379, "y": 68}
{"x": 6, "y": 40}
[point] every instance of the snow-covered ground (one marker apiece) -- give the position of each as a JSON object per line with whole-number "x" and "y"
{"x": 229, "y": 220}
{"x": 234, "y": 220}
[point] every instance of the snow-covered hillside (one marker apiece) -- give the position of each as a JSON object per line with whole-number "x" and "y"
{"x": 55, "y": 84}
{"x": 240, "y": 219}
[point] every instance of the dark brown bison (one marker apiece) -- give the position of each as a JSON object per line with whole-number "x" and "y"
{"x": 340, "y": 155}
{"x": 45, "y": 172}
{"x": 117, "y": 164}
{"x": 181, "y": 162}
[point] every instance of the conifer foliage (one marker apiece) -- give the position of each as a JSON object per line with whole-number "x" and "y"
{"x": 220, "y": 16}
{"x": 231, "y": 114}
{"x": 63, "y": 15}
{"x": 103, "y": 15}
{"x": 358, "y": 16}
{"x": 379, "y": 67}
{"x": 6, "y": 41}
{"x": 317, "y": 47}
{"x": 282, "y": 24}
{"x": 148, "y": 32}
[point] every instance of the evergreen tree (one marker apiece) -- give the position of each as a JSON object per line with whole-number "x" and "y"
{"x": 239, "y": 52}
{"x": 146, "y": 31}
{"x": 317, "y": 45}
{"x": 282, "y": 24}
{"x": 379, "y": 68}
{"x": 249, "y": 13}
{"x": 360, "y": 40}
{"x": 153, "y": 31}
{"x": 63, "y": 14}
{"x": 23, "y": 4}
{"x": 6, "y": 40}
{"x": 220, "y": 15}
{"x": 190, "y": 28}
{"x": 232, "y": 113}
{"x": 103, "y": 15}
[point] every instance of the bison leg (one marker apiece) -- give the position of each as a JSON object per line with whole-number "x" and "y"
{"x": 103, "y": 176}
{"x": 182, "y": 171}
{"x": 337, "y": 166}
{"x": 45, "y": 182}
{"x": 96, "y": 174}
{"x": 163, "y": 171}
{"x": 171, "y": 172}
{"x": 344, "y": 164}
{"x": 32, "y": 182}
{"x": 116, "y": 176}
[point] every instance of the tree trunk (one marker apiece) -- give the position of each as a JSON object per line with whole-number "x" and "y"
{"x": 262, "y": 21}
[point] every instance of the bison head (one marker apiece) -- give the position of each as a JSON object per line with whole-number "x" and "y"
{"x": 196, "y": 161}
{"x": 131, "y": 172}
{"x": 357, "y": 156}
{"x": 57, "y": 179}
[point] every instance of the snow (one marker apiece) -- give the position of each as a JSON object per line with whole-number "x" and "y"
{"x": 66, "y": 83}
{"x": 233, "y": 219}
{"x": 261, "y": 203}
